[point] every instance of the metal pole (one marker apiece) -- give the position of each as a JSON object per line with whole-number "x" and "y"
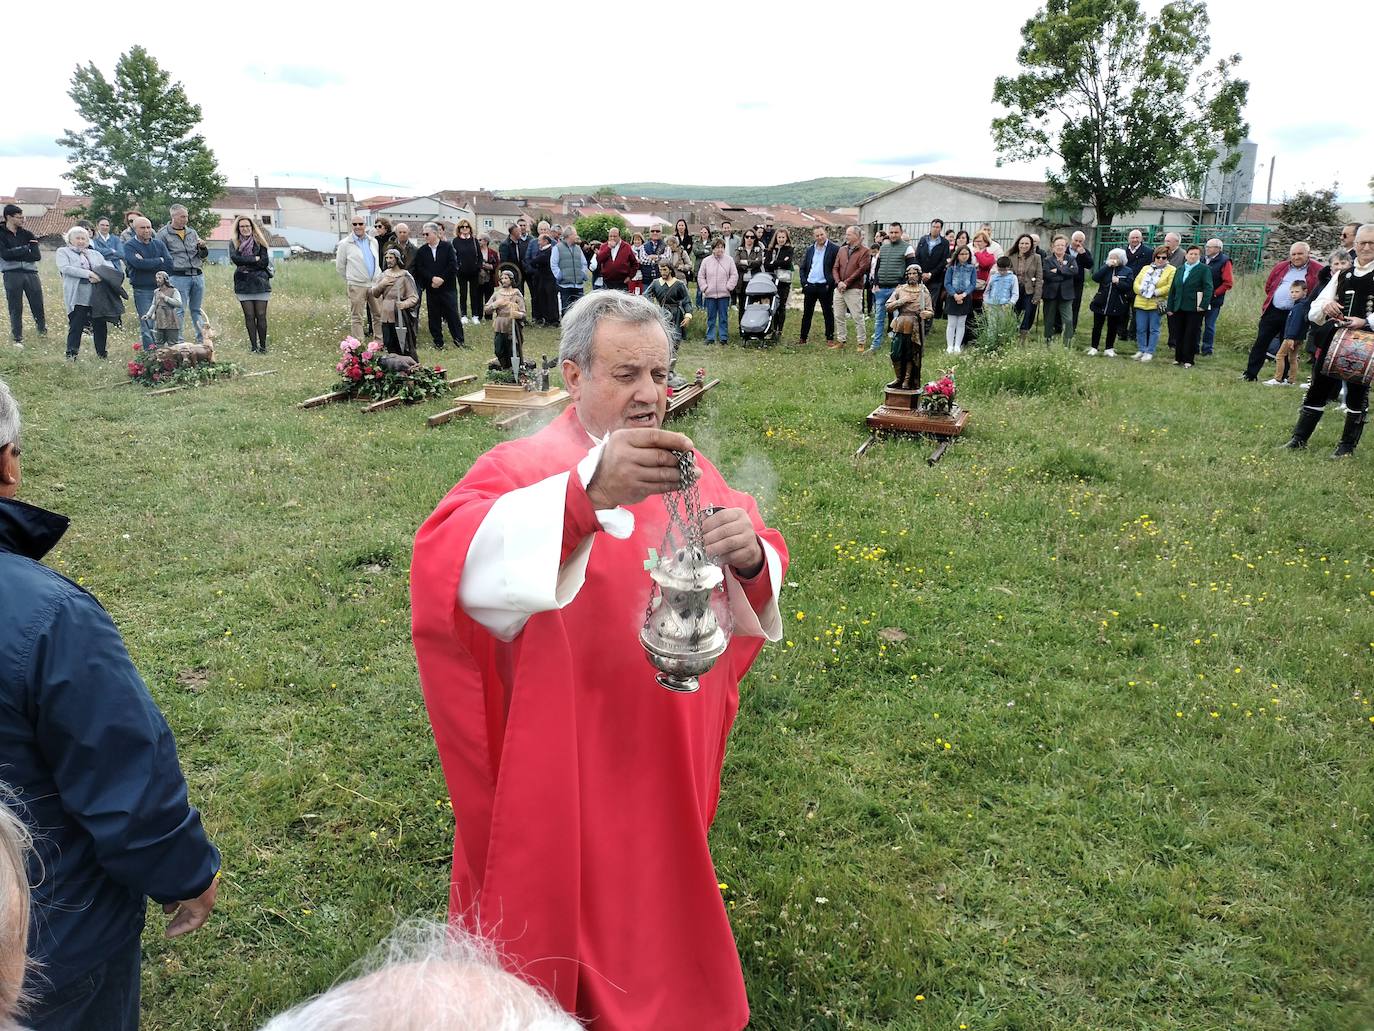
{"x": 1269, "y": 193}
{"x": 256, "y": 217}
{"x": 348, "y": 200}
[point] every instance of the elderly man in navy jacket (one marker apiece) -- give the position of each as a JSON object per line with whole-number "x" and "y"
{"x": 96, "y": 779}
{"x": 818, "y": 284}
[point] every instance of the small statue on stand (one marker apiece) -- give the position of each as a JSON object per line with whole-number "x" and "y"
{"x": 909, "y": 306}
{"x": 540, "y": 380}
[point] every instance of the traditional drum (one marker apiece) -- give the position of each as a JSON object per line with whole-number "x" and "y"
{"x": 1350, "y": 356}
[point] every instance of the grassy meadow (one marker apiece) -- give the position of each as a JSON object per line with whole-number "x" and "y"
{"x": 1070, "y": 731}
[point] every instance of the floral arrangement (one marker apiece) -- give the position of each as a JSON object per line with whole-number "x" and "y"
{"x": 363, "y": 374}
{"x": 153, "y": 370}
{"x": 937, "y": 396}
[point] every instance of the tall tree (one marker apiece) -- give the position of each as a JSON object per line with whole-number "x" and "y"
{"x": 1128, "y": 104}
{"x": 1311, "y": 215}
{"x": 139, "y": 149}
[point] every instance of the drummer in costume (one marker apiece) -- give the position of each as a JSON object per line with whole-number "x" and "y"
{"x": 1344, "y": 307}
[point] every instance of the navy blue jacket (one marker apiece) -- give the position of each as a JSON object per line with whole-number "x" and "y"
{"x": 1295, "y": 326}
{"x": 145, "y": 261}
{"x": 933, "y": 257}
{"x": 91, "y": 761}
{"x": 832, "y": 251}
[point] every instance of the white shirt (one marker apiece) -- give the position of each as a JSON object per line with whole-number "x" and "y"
{"x": 1318, "y": 317}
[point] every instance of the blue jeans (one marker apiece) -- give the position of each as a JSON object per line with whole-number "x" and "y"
{"x": 143, "y": 300}
{"x": 1209, "y": 328}
{"x": 1147, "y": 329}
{"x": 192, "y": 290}
{"x": 717, "y": 315}
{"x": 880, "y": 315}
{"x": 105, "y": 998}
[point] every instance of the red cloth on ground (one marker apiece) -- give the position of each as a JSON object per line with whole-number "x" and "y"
{"x": 583, "y": 791}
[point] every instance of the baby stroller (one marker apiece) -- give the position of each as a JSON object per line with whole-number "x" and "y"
{"x": 760, "y": 307}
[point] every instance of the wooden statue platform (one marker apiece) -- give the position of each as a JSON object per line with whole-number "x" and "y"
{"x": 687, "y": 397}
{"x": 899, "y": 413}
{"x": 508, "y": 398}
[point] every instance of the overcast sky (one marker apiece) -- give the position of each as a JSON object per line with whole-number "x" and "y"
{"x": 304, "y": 95}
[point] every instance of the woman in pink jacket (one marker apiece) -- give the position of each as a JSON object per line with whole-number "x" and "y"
{"x": 717, "y": 277}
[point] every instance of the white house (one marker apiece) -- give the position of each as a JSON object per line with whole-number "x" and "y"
{"x": 416, "y": 211}
{"x": 282, "y": 209}
{"x": 1012, "y": 206}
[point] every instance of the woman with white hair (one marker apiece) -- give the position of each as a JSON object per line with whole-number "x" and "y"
{"x": 1115, "y": 294}
{"x": 15, "y": 844}
{"x": 76, "y": 264}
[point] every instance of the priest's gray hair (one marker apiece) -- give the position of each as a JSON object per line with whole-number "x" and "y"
{"x": 15, "y": 843}
{"x": 581, "y": 320}
{"x": 429, "y": 976}
{"x": 9, "y": 417}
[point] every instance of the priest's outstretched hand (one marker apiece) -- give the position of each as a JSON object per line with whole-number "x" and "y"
{"x": 635, "y": 464}
{"x": 730, "y": 538}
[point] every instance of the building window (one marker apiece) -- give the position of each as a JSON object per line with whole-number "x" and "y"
{"x": 331, "y": 201}
{"x": 267, "y": 220}
{"x": 486, "y": 223}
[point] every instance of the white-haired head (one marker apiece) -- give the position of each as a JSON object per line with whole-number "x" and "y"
{"x": 429, "y": 976}
{"x": 579, "y": 325}
{"x": 15, "y": 844}
{"x": 1117, "y": 254}
{"x": 76, "y": 232}
{"x": 9, "y": 417}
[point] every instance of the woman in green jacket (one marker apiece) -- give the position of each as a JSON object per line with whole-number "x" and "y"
{"x": 1190, "y": 295}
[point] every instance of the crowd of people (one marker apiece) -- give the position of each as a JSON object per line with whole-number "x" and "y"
{"x": 91, "y": 764}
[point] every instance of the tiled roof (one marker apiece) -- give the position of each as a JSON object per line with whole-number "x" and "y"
{"x": 240, "y": 198}
{"x": 54, "y": 221}
{"x": 1026, "y": 191}
{"x": 37, "y": 195}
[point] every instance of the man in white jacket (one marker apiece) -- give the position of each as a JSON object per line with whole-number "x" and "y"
{"x": 359, "y": 263}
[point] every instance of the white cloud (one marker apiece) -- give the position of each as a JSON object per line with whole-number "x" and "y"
{"x": 288, "y": 89}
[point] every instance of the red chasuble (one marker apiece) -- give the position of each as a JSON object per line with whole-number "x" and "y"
{"x": 583, "y": 790}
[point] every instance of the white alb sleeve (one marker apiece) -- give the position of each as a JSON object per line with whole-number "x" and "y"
{"x": 512, "y": 571}
{"x": 748, "y": 623}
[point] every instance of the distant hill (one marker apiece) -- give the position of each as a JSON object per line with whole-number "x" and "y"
{"x": 830, "y": 192}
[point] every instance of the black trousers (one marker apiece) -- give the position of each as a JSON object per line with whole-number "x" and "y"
{"x": 21, "y": 283}
{"x": 442, "y": 305}
{"x": 77, "y": 320}
{"x": 469, "y": 294}
{"x": 1112, "y": 322}
{"x": 1185, "y": 328}
{"x": 784, "y": 291}
{"x": 811, "y": 293}
{"x": 546, "y": 291}
{"x": 1324, "y": 388}
{"x": 1270, "y": 326}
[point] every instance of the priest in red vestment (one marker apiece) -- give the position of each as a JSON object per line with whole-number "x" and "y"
{"x": 583, "y": 790}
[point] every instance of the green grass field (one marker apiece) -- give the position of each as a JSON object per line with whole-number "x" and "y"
{"x": 1070, "y": 731}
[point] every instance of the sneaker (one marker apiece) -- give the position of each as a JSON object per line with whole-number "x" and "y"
{"x": 1147, "y": 357}
{"x": 1091, "y": 351}
{"x": 1110, "y": 352}
{"x": 1187, "y": 365}
{"x": 464, "y": 320}
{"x": 1304, "y": 386}
{"x": 1138, "y": 356}
{"x": 18, "y": 345}
{"x": 1271, "y": 383}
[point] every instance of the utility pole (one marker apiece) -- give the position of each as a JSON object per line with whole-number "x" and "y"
{"x": 348, "y": 200}
{"x": 256, "y": 217}
{"x": 1269, "y": 193}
